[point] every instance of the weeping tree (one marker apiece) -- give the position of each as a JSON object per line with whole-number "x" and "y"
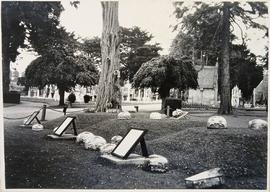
{"x": 109, "y": 92}
{"x": 164, "y": 73}
{"x": 221, "y": 18}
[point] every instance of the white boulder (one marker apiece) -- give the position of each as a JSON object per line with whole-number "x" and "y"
{"x": 37, "y": 127}
{"x": 107, "y": 148}
{"x": 217, "y": 122}
{"x": 156, "y": 115}
{"x": 82, "y": 137}
{"x": 124, "y": 115}
{"x": 156, "y": 163}
{"x": 94, "y": 143}
{"x": 116, "y": 139}
{"x": 177, "y": 113}
{"x": 257, "y": 124}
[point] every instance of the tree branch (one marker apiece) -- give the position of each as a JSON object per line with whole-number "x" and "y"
{"x": 242, "y": 33}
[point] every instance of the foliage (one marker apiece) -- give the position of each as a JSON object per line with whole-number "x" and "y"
{"x": 38, "y": 73}
{"x": 244, "y": 70}
{"x": 136, "y": 58}
{"x": 21, "y": 81}
{"x": 164, "y": 73}
{"x": 134, "y": 50}
{"x": 29, "y": 20}
{"x": 86, "y": 98}
{"x": 91, "y": 48}
{"x": 24, "y": 22}
{"x": 211, "y": 29}
{"x": 61, "y": 64}
{"x": 200, "y": 34}
{"x": 71, "y": 98}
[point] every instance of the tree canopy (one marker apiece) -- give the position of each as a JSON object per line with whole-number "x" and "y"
{"x": 62, "y": 64}
{"x": 164, "y": 73}
{"x": 210, "y": 28}
{"x": 244, "y": 70}
{"x": 134, "y": 50}
{"x": 24, "y": 23}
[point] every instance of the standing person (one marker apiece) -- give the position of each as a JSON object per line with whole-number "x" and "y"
{"x": 47, "y": 91}
{"x": 53, "y": 91}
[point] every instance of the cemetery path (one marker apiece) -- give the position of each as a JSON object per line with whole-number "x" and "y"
{"x": 26, "y": 108}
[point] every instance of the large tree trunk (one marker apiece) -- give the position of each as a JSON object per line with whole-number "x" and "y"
{"x": 163, "y": 92}
{"x": 5, "y": 73}
{"x": 62, "y": 96}
{"x": 109, "y": 92}
{"x": 5, "y": 49}
{"x": 224, "y": 67}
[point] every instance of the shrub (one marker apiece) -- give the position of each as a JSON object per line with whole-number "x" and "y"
{"x": 86, "y": 98}
{"x": 72, "y": 98}
{"x": 12, "y": 97}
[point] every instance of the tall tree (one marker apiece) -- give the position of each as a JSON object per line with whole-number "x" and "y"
{"x": 134, "y": 50}
{"x": 21, "y": 21}
{"x": 136, "y": 58}
{"x": 109, "y": 93}
{"x": 224, "y": 65}
{"x": 164, "y": 73}
{"x": 228, "y": 13}
{"x": 61, "y": 64}
{"x": 244, "y": 70}
{"x": 91, "y": 48}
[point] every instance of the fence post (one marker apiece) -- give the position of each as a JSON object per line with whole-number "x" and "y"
{"x": 43, "y": 115}
{"x": 65, "y": 108}
{"x": 168, "y": 110}
{"x": 136, "y": 108}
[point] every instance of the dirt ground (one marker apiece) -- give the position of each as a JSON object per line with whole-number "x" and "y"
{"x": 33, "y": 161}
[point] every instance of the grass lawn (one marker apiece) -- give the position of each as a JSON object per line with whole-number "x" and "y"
{"x": 33, "y": 161}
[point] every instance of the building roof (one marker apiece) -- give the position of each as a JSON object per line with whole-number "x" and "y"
{"x": 207, "y": 77}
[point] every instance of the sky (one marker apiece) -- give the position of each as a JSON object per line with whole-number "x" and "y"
{"x": 153, "y": 16}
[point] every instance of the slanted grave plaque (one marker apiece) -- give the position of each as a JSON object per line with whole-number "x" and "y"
{"x": 59, "y": 132}
{"x": 30, "y": 119}
{"x": 129, "y": 142}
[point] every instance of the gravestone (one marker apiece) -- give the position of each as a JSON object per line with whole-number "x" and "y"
{"x": 156, "y": 115}
{"x": 124, "y": 115}
{"x": 107, "y": 148}
{"x": 257, "y": 124}
{"x": 116, "y": 139}
{"x": 59, "y": 132}
{"x": 82, "y": 137}
{"x": 207, "y": 179}
{"x": 178, "y": 114}
{"x": 37, "y": 127}
{"x": 217, "y": 122}
{"x": 27, "y": 122}
{"x": 94, "y": 143}
{"x": 156, "y": 163}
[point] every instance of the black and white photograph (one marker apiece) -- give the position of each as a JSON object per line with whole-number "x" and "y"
{"x": 157, "y": 95}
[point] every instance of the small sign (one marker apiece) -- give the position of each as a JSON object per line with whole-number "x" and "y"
{"x": 129, "y": 142}
{"x": 64, "y": 125}
{"x": 31, "y": 118}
